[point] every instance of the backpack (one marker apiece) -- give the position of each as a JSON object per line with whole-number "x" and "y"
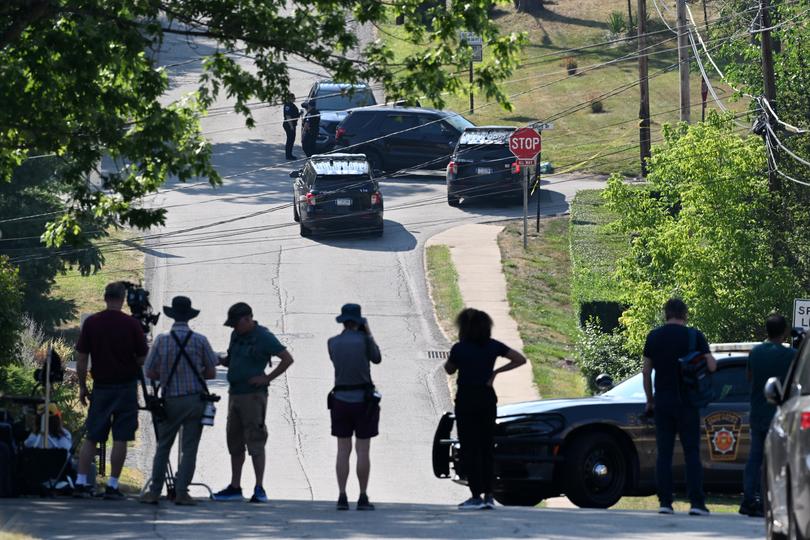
{"x": 696, "y": 379}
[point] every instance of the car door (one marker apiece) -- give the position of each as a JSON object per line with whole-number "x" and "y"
{"x": 725, "y": 433}
{"x": 399, "y": 142}
{"x": 302, "y": 186}
{"x": 436, "y": 139}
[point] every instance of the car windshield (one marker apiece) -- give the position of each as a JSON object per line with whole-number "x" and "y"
{"x": 458, "y": 121}
{"x": 334, "y": 99}
{"x": 632, "y": 388}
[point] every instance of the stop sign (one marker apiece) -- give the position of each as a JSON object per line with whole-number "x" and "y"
{"x": 524, "y": 143}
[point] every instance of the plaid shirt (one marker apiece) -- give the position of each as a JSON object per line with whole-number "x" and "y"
{"x": 163, "y": 353}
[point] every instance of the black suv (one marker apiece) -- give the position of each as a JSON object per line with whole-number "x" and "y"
{"x": 332, "y": 100}
{"x": 337, "y": 192}
{"x": 395, "y": 138}
{"x": 483, "y": 166}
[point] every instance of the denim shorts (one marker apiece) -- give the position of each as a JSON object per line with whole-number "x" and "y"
{"x": 113, "y": 406}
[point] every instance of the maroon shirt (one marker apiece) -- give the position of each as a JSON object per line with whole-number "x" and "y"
{"x": 113, "y": 340}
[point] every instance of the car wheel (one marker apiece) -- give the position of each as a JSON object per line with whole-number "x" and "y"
{"x": 305, "y": 231}
{"x": 453, "y": 201}
{"x": 518, "y": 498}
{"x": 770, "y": 532}
{"x": 296, "y": 217}
{"x": 595, "y": 472}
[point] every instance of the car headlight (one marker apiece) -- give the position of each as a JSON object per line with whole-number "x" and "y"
{"x": 545, "y": 424}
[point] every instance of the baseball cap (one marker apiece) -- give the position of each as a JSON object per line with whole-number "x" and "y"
{"x": 236, "y": 312}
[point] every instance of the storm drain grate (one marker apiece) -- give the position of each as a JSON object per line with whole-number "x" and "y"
{"x": 438, "y": 355}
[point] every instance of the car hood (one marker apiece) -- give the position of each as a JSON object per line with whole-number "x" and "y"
{"x": 554, "y": 405}
{"x": 333, "y": 116}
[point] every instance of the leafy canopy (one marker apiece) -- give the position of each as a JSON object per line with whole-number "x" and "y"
{"x": 78, "y": 79}
{"x": 702, "y": 230}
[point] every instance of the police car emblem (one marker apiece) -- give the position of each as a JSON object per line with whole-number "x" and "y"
{"x": 723, "y": 434}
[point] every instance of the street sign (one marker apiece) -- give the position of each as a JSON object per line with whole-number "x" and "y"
{"x": 542, "y": 126}
{"x": 478, "y": 53}
{"x": 801, "y": 313}
{"x": 531, "y": 161}
{"x": 525, "y": 143}
{"x": 471, "y": 38}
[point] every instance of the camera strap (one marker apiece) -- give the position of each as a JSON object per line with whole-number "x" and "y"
{"x": 182, "y": 352}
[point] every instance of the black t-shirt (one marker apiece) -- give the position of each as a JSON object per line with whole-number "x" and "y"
{"x": 291, "y": 113}
{"x": 476, "y": 361}
{"x": 664, "y": 346}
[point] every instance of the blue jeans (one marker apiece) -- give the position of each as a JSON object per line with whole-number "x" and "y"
{"x": 753, "y": 469}
{"x": 684, "y": 422}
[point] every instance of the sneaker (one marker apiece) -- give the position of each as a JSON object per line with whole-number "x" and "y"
{"x": 699, "y": 511}
{"x": 184, "y": 499}
{"x": 751, "y": 509}
{"x": 113, "y": 494}
{"x": 342, "y": 502}
{"x": 489, "y": 502}
{"x": 291, "y": 158}
{"x": 149, "y": 498}
{"x": 230, "y": 493}
{"x": 473, "y": 503}
{"x": 83, "y": 492}
{"x": 665, "y": 509}
{"x": 259, "y": 495}
{"x": 363, "y": 503}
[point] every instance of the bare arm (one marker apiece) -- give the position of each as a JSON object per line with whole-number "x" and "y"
{"x": 711, "y": 362}
{"x": 648, "y": 386}
{"x": 81, "y": 371}
{"x": 286, "y": 360}
{"x": 515, "y": 361}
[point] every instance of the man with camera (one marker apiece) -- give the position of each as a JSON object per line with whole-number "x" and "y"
{"x": 117, "y": 346}
{"x": 250, "y": 351}
{"x": 181, "y": 360}
{"x": 354, "y": 403}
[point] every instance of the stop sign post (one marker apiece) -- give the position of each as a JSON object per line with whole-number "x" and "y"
{"x": 525, "y": 143}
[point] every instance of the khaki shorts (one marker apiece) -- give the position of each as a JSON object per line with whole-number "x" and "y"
{"x": 245, "y": 426}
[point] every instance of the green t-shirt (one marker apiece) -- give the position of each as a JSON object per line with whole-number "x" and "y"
{"x": 765, "y": 361}
{"x": 249, "y": 355}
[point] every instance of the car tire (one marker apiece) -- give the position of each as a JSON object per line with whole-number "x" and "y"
{"x": 519, "y": 498}
{"x": 306, "y": 232}
{"x": 770, "y": 533}
{"x": 296, "y": 217}
{"x": 453, "y": 201}
{"x": 595, "y": 473}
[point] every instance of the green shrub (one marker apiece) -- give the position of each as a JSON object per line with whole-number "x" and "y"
{"x": 10, "y": 311}
{"x": 616, "y": 23}
{"x": 599, "y": 352}
{"x": 597, "y": 106}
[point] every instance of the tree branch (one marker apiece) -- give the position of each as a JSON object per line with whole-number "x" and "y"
{"x": 35, "y": 10}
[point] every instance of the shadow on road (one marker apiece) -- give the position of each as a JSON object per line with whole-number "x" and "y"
{"x": 551, "y": 202}
{"x": 70, "y": 518}
{"x": 396, "y": 238}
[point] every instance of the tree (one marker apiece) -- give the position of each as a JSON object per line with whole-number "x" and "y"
{"x": 702, "y": 229}
{"x": 78, "y": 80}
{"x": 10, "y": 311}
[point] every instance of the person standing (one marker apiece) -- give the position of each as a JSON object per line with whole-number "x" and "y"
{"x": 769, "y": 359}
{"x": 353, "y": 402}
{"x": 181, "y": 360}
{"x": 250, "y": 351}
{"x": 662, "y": 350}
{"x": 116, "y": 344}
{"x": 473, "y": 357}
{"x": 290, "y": 123}
{"x": 310, "y": 127}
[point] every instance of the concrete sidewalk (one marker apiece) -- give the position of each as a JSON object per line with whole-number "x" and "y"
{"x": 477, "y": 258}
{"x": 67, "y": 518}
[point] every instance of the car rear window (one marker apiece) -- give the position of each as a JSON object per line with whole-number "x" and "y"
{"x": 343, "y": 182}
{"x": 483, "y": 152}
{"x": 357, "y": 120}
{"x": 340, "y": 99}
{"x": 458, "y": 121}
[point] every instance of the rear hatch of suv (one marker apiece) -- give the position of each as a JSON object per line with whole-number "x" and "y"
{"x": 483, "y": 163}
{"x": 346, "y": 196}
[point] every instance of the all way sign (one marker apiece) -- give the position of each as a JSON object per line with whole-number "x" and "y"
{"x": 801, "y": 313}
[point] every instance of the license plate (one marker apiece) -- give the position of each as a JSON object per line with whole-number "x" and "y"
{"x": 343, "y": 202}
{"x": 483, "y": 170}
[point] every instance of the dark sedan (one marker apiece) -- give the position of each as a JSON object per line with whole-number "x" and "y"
{"x": 787, "y": 453}
{"x": 337, "y": 192}
{"x": 597, "y": 449}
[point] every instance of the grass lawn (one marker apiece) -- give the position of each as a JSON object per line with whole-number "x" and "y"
{"x": 539, "y": 292}
{"x": 443, "y": 283}
{"x": 595, "y": 249}
{"x": 87, "y": 292}
{"x": 583, "y": 140}
{"x": 721, "y": 504}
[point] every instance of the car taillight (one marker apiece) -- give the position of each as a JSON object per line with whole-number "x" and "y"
{"x": 805, "y": 420}
{"x": 452, "y": 168}
{"x": 340, "y": 132}
{"x": 376, "y": 198}
{"x": 310, "y": 198}
{"x": 515, "y": 167}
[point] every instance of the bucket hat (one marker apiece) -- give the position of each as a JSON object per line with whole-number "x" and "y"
{"x": 350, "y": 312}
{"x": 181, "y": 309}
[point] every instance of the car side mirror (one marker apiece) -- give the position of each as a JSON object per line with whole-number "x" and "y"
{"x": 604, "y": 382}
{"x": 773, "y": 391}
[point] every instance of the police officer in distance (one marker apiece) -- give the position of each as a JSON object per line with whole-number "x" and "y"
{"x": 290, "y": 123}
{"x": 309, "y": 127}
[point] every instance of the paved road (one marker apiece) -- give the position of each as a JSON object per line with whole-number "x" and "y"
{"x": 69, "y": 519}
{"x": 296, "y": 286}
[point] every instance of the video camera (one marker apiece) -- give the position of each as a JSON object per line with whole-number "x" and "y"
{"x": 57, "y": 374}
{"x": 797, "y": 335}
{"x": 139, "y": 306}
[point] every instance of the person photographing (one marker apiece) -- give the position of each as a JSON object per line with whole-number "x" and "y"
{"x": 354, "y": 402}
{"x": 473, "y": 357}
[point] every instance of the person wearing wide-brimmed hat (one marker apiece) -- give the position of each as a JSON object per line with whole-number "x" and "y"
{"x": 180, "y": 359}
{"x": 354, "y": 402}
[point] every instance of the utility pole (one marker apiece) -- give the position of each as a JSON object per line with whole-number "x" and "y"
{"x": 768, "y": 79}
{"x": 683, "y": 60}
{"x": 472, "y": 99}
{"x": 644, "y": 87}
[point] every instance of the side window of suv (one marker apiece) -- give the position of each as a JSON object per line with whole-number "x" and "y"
{"x": 731, "y": 385}
{"x": 394, "y": 123}
{"x": 801, "y": 377}
{"x": 433, "y": 128}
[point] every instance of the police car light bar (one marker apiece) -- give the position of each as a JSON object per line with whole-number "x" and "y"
{"x": 734, "y": 347}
